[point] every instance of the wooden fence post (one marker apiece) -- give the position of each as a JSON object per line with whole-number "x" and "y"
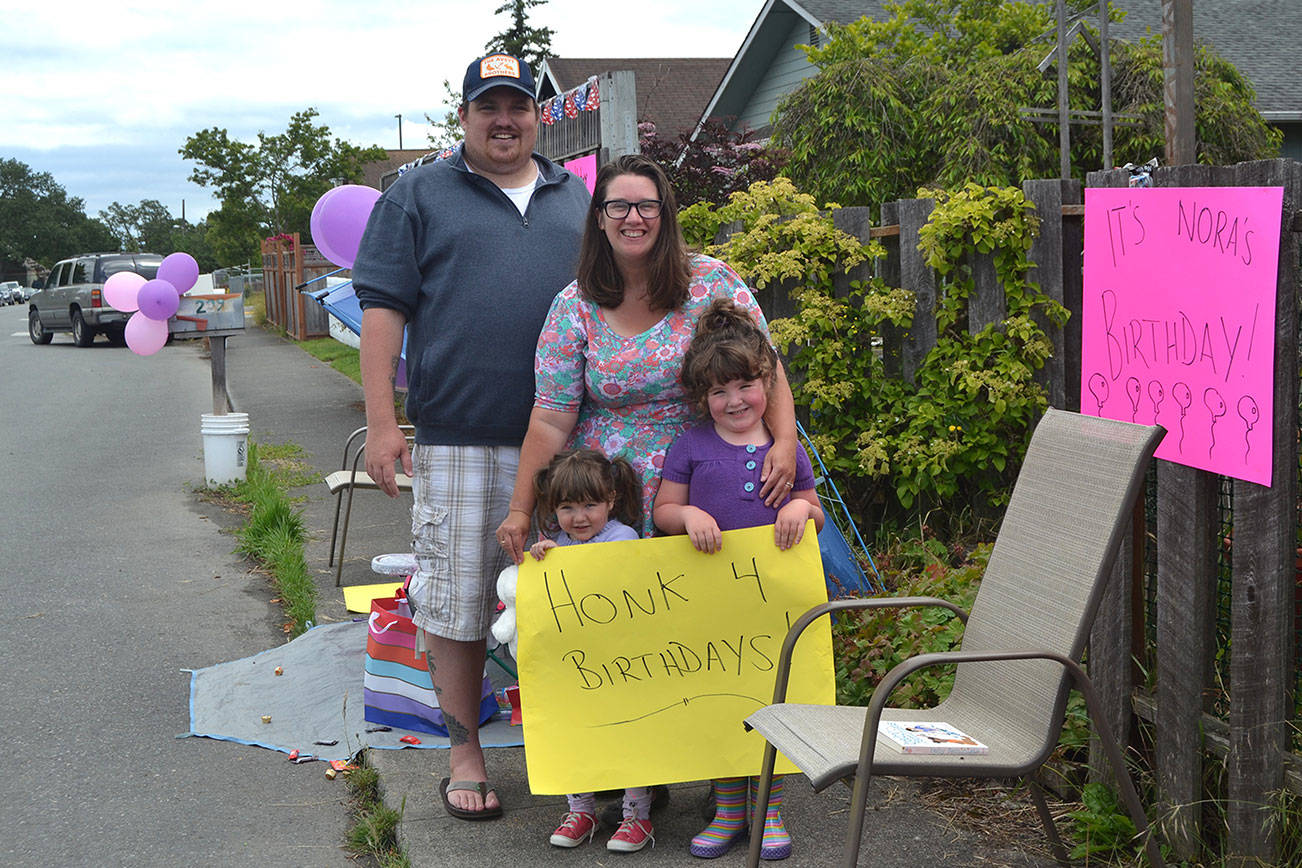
{"x": 915, "y": 275}
{"x": 1265, "y": 528}
{"x": 888, "y": 269}
{"x": 1050, "y": 271}
{"x": 1187, "y": 536}
{"x": 1110, "y": 664}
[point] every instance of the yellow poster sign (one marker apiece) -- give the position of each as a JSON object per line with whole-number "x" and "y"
{"x": 639, "y": 660}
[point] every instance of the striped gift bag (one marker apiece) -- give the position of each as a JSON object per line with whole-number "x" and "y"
{"x": 396, "y": 687}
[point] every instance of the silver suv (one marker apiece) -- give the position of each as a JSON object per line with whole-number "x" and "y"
{"x": 72, "y": 299}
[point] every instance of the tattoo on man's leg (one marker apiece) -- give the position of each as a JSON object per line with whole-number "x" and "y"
{"x": 457, "y": 732}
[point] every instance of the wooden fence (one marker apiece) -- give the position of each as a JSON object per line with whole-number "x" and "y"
{"x": 286, "y": 265}
{"x": 1253, "y": 737}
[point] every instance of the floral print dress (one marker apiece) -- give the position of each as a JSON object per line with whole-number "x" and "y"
{"x": 626, "y": 389}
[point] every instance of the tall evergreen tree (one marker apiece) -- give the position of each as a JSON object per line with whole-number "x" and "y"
{"x": 530, "y": 44}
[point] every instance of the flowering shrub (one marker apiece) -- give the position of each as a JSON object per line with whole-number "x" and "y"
{"x": 717, "y": 163}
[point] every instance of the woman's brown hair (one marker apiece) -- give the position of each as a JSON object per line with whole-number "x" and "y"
{"x": 582, "y": 475}
{"x": 727, "y": 345}
{"x": 669, "y": 272}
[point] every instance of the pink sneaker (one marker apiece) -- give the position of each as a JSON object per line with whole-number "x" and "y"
{"x": 577, "y": 828}
{"x": 632, "y": 835}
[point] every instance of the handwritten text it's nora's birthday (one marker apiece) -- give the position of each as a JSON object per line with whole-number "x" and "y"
{"x": 1176, "y": 337}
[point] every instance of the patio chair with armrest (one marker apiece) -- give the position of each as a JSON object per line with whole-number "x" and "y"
{"x": 349, "y": 478}
{"x": 1021, "y": 646}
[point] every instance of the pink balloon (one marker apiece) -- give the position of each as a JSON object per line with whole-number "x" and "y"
{"x": 180, "y": 270}
{"x": 339, "y": 219}
{"x": 158, "y": 299}
{"x": 145, "y": 336}
{"x": 120, "y": 290}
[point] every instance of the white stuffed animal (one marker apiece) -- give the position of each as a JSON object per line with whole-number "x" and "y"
{"x": 504, "y": 627}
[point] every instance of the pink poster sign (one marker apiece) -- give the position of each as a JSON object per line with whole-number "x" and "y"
{"x": 585, "y": 168}
{"x": 1178, "y": 319}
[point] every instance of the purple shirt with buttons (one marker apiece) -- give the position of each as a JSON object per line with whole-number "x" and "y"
{"x": 724, "y": 480}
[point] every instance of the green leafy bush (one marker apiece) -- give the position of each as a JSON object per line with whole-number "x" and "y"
{"x": 868, "y": 644}
{"x": 954, "y": 438}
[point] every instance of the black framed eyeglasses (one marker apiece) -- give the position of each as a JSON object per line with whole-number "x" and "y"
{"x": 617, "y": 209}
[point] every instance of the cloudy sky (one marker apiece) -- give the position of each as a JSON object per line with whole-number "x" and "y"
{"x": 102, "y": 96}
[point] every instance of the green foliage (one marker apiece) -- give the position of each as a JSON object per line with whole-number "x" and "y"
{"x": 39, "y": 220}
{"x": 953, "y": 438}
{"x": 150, "y": 227}
{"x": 869, "y": 643}
{"x": 933, "y": 97}
{"x": 341, "y": 357}
{"x": 275, "y": 533}
{"x": 269, "y": 187}
{"x": 959, "y": 433}
{"x": 530, "y": 44}
{"x": 446, "y": 132}
{"x": 375, "y": 831}
{"x": 1101, "y": 826}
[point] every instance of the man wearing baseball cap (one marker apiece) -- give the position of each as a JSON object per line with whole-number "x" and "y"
{"x": 468, "y": 253}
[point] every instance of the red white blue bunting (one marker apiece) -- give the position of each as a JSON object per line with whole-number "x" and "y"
{"x": 584, "y": 98}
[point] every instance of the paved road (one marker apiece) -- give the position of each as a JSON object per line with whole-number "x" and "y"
{"x": 115, "y": 579}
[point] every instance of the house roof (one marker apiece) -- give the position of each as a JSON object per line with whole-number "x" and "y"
{"x": 1257, "y": 36}
{"x": 373, "y": 172}
{"x": 671, "y": 91}
{"x": 1260, "y": 37}
{"x": 766, "y": 38}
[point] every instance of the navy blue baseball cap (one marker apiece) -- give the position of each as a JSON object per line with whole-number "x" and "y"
{"x": 496, "y": 70}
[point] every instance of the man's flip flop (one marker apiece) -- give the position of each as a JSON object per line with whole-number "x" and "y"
{"x": 447, "y": 785}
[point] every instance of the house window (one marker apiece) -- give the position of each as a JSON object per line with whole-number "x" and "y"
{"x": 815, "y": 36}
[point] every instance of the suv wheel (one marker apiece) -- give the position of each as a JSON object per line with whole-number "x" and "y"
{"x": 35, "y": 330}
{"x": 82, "y": 334}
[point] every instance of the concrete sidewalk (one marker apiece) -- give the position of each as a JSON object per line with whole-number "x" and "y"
{"x": 290, "y": 396}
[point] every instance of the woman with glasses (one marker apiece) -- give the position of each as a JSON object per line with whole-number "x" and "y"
{"x": 607, "y": 365}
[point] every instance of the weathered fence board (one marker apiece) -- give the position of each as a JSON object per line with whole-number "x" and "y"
{"x": 1186, "y": 621}
{"x": 916, "y": 276}
{"x": 1047, "y": 253}
{"x": 1110, "y": 664}
{"x": 1265, "y": 535}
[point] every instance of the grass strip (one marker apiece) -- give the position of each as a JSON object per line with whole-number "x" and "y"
{"x": 375, "y": 832}
{"x": 341, "y": 357}
{"x": 274, "y": 534}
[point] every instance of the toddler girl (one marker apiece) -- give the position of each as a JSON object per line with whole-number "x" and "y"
{"x": 711, "y": 484}
{"x": 583, "y": 497}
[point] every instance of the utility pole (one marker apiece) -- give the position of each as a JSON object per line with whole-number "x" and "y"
{"x": 399, "y": 117}
{"x": 1178, "y": 81}
{"x": 1105, "y": 83}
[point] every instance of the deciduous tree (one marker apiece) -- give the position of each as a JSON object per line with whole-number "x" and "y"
{"x": 933, "y": 96}
{"x": 270, "y": 186}
{"x": 38, "y": 219}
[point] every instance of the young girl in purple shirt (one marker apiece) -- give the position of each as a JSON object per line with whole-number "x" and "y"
{"x": 711, "y": 484}
{"x": 582, "y": 496}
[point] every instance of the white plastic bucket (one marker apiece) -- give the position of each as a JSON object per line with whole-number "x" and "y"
{"x": 225, "y": 447}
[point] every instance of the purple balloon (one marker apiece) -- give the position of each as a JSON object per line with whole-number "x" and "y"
{"x": 145, "y": 336}
{"x": 158, "y": 300}
{"x": 180, "y": 270}
{"x": 121, "y": 289}
{"x": 339, "y": 220}
{"x": 314, "y": 223}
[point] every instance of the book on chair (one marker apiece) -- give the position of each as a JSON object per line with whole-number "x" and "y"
{"x": 927, "y": 736}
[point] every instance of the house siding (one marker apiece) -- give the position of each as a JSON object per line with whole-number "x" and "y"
{"x": 789, "y": 68}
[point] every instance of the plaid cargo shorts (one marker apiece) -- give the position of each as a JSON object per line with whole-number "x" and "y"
{"x": 461, "y": 496}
